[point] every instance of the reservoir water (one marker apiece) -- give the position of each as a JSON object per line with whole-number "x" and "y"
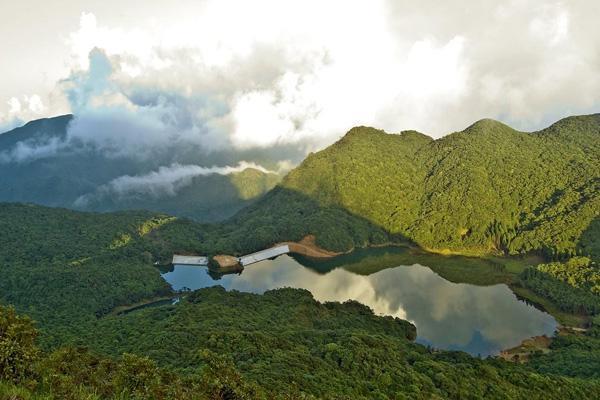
{"x": 481, "y": 317}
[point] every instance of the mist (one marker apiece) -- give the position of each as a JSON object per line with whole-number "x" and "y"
{"x": 166, "y": 181}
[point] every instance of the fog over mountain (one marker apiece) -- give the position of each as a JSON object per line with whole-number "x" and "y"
{"x": 44, "y": 163}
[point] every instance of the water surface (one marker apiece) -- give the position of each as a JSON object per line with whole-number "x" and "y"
{"x": 481, "y": 320}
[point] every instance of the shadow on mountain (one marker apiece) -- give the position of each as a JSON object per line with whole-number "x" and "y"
{"x": 589, "y": 241}
{"x": 288, "y": 215}
{"x": 206, "y": 198}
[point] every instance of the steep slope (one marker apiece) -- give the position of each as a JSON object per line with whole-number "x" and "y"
{"x": 488, "y": 189}
{"x": 40, "y": 164}
{"x": 66, "y": 268}
{"x": 367, "y": 172}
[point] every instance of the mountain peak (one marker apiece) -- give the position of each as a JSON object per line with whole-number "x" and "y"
{"x": 487, "y": 124}
{"x": 364, "y": 130}
{"x": 32, "y": 130}
{"x": 576, "y": 122}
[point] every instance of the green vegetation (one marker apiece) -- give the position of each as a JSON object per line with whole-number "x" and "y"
{"x": 579, "y": 272}
{"x": 66, "y": 268}
{"x": 486, "y": 190}
{"x": 308, "y": 350}
{"x": 574, "y": 286}
{"x": 573, "y": 354}
{"x": 69, "y": 270}
{"x": 77, "y": 373}
{"x": 17, "y": 347}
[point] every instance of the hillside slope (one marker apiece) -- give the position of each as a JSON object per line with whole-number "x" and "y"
{"x": 71, "y": 271}
{"x": 486, "y": 190}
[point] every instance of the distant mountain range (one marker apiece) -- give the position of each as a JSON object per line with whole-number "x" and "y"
{"x": 39, "y": 165}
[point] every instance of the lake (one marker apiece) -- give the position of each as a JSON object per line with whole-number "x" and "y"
{"x": 481, "y": 318}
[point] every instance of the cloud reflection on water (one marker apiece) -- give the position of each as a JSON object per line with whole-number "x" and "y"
{"x": 476, "y": 319}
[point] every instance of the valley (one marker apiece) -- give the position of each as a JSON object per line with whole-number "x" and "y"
{"x": 425, "y": 261}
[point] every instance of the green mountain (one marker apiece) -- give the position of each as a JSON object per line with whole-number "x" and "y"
{"x": 486, "y": 190}
{"x": 40, "y": 164}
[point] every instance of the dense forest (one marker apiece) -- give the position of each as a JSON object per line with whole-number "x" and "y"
{"x": 69, "y": 270}
{"x": 488, "y": 191}
{"x": 573, "y": 285}
{"x": 283, "y": 344}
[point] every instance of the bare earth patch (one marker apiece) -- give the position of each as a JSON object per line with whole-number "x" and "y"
{"x": 308, "y": 247}
{"x": 522, "y": 352}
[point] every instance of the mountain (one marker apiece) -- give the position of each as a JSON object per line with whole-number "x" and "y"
{"x": 40, "y": 163}
{"x": 486, "y": 190}
{"x": 489, "y": 189}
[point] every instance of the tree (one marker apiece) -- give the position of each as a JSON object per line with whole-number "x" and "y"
{"x": 18, "y": 351}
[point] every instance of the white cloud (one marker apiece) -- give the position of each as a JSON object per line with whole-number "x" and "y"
{"x": 166, "y": 181}
{"x": 15, "y": 105}
{"x": 34, "y": 104}
{"x": 20, "y": 110}
{"x": 29, "y": 151}
{"x": 303, "y": 73}
{"x": 552, "y": 25}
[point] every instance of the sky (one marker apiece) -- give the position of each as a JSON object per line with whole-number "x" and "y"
{"x": 256, "y": 75}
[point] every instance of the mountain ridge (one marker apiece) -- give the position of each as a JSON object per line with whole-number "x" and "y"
{"x": 464, "y": 193}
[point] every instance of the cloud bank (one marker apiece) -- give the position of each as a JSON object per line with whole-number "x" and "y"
{"x": 236, "y": 75}
{"x": 166, "y": 181}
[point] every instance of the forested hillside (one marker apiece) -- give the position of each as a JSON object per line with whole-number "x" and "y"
{"x": 66, "y": 268}
{"x": 283, "y": 344}
{"x": 71, "y": 271}
{"x": 486, "y": 190}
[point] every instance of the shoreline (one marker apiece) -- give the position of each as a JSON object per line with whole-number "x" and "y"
{"x": 513, "y": 265}
{"x": 568, "y": 324}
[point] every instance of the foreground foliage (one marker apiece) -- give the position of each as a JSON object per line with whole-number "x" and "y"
{"x": 313, "y": 350}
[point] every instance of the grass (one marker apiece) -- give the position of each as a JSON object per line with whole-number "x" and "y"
{"x": 516, "y": 265}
